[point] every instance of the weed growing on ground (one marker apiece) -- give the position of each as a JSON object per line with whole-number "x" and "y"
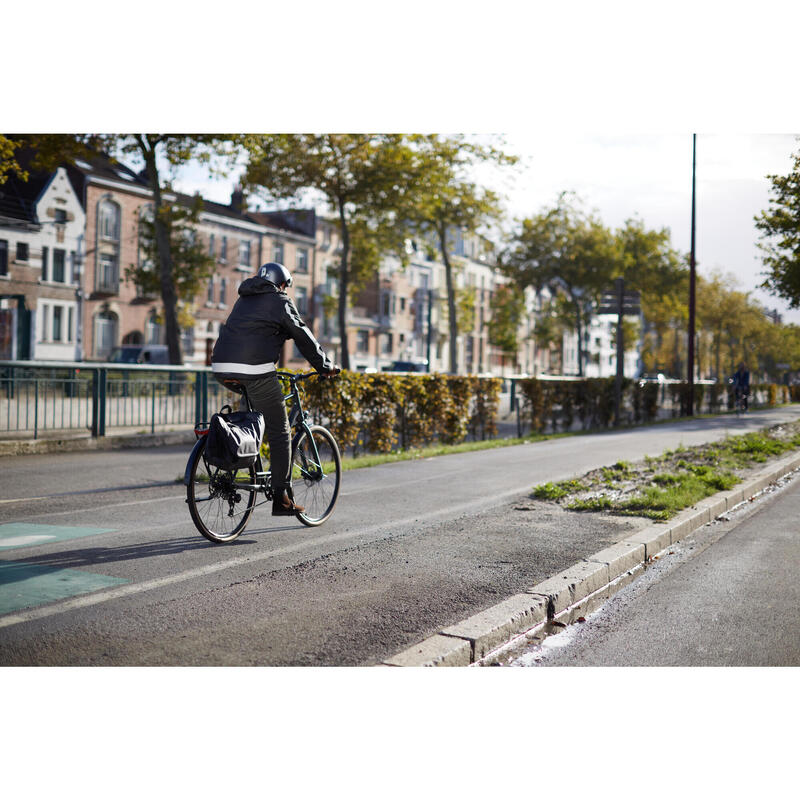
{"x": 658, "y": 487}
{"x": 556, "y": 491}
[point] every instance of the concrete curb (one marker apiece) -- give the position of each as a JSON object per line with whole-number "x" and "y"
{"x": 576, "y": 591}
{"x": 24, "y": 447}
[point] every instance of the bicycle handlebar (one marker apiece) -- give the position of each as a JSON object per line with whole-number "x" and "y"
{"x": 298, "y": 376}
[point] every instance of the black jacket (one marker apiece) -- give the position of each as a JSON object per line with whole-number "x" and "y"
{"x": 250, "y": 341}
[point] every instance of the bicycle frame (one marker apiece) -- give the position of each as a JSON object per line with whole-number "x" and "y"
{"x": 298, "y": 422}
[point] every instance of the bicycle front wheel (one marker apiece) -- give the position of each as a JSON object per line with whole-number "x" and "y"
{"x": 218, "y": 502}
{"x": 316, "y": 474}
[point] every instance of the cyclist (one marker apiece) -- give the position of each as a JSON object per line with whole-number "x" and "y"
{"x": 249, "y": 344}
{"x": 741, "y": 384}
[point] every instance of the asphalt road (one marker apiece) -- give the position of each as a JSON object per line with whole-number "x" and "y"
{"x": 123, "y": 578}
{"x": 727, "y": 596}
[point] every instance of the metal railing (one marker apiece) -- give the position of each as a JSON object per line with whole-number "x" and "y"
{"x": 83, "y": 396}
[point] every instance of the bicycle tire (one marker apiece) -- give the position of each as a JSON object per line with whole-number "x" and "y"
{"x": 316, "y": 485}
{"x": 221, "y": 491}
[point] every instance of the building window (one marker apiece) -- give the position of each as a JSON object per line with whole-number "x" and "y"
{"x": 244, "y": 254}
{"x": 59, "y": 257}
{"x": 402, "y": 304}
{"x": 45, "y": 262}
{"x": 153, "y": 329}
{"x": 301, "y": 300}
{"x": 60, "y": 216}
{"x": 210, "y": 295}
{"x": 211, "y": 245}
{"x": 387, "y": 344}
{"x": 302, "y": 260}
{"x": 105, "y": 334}
{"x": 223, "y": 286}
{"x": 187, "y": 342}
{"x": 362, "y": 341}
{"x": 70, "y": 324}
{"x": 277, "y": 252}
{"x": 107, "y": 275}
{"x": 3, "y": 257}
{"x": 58, "y": 312}
{"x": 109, "y": 220}
{"x": 45, "y": 322}
{"x": 22, "y": 251}
{"x": 223, "y": 249}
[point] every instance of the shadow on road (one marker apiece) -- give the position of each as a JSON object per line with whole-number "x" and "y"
{"x": 97, "y": 556}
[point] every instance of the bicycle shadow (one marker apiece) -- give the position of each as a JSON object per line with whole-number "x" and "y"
{"x": 12, "y": 570}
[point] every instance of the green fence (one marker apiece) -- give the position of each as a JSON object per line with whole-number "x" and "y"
{"x": 36, "y": 397}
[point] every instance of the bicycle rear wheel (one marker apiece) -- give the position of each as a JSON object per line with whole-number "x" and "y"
{"x": 316, "y": 475}
{"x": 220, "y": 506}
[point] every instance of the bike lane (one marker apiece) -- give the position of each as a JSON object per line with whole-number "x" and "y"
{"x": 150, "y": 543}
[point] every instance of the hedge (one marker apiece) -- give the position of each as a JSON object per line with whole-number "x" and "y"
{"x": 381, "y": 412}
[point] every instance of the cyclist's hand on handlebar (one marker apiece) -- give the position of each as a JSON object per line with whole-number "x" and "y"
{"x": 331, "y": 373}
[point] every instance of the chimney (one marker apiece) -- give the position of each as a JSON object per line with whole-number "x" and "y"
{"x": 237, "y": 199}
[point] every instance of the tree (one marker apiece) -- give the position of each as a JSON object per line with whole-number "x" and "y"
{"x": 446, "y": 199}
{"x": 508, "y": 310}
{"x": 362, "y": 177}
{"x": 649, "y": 264}
{"x": 152, "y": 149}
{"x": 569, "y": 252}
{"x": 192, "y": 266}
{"x": 780, "y": 233}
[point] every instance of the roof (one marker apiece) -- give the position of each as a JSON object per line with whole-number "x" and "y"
{"x": 214, "y": 208}
{"x": 302, "y": 221}
{"x": 102, "y": 166}
{"x": 17, "y": 197}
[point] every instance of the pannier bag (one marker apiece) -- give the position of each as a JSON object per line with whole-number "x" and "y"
{"x": 234, "y": 438}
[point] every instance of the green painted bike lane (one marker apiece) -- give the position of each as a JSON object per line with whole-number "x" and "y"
{"x": 24, "y": 584}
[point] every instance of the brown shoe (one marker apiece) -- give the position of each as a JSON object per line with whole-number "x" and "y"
{"x": 283, "y": 505}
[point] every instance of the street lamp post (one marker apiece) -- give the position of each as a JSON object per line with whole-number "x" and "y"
{"x": 690, "y": 343}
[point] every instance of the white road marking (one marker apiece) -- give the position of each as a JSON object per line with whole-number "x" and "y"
{"x": 106, "y": 595}
{"x": 21, "y": 541}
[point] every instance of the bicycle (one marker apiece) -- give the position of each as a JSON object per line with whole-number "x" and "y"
{"x": 740, "y": 394}
{"x": 740, "y": 401}
{"x": 221, "y": 502}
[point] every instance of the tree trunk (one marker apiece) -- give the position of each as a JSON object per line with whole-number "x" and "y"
{"x": 579, "y": 329}
{"x": 451, "y": 300}
{"x": 343, "y": 281}
{"x": 168, "y": 295}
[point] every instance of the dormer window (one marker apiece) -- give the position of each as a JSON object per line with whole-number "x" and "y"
{"x": 60, "y": 216}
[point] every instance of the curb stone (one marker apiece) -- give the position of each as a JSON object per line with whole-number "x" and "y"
{"x": 24, "y": 447}
{"x": 577, "y": 590}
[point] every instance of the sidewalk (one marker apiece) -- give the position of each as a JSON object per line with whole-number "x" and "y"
{"x": 77, "y": 441}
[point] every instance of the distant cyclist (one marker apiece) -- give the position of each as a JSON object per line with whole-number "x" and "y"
{"x": 741, "y": 384}
{"x": 249, "y": 344}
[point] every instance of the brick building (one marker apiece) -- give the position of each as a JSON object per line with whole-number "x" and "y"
{"x": 41, "y": 240}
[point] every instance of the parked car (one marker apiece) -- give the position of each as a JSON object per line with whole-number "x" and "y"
{"x": 140, "y": 354}
{"x": 405, "y": 366}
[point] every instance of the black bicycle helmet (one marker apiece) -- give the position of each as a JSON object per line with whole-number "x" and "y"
{"x": 275, "y": 273}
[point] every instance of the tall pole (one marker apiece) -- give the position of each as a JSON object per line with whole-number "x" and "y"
{"x": 620, "y": 287}
{"x": 690, "y": 400}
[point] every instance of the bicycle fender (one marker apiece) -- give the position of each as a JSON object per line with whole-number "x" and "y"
{"x": 296, "y": 438}
{"x": 187, "y": 478}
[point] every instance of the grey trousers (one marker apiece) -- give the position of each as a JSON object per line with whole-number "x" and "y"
{"x": 266, "y": 396}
